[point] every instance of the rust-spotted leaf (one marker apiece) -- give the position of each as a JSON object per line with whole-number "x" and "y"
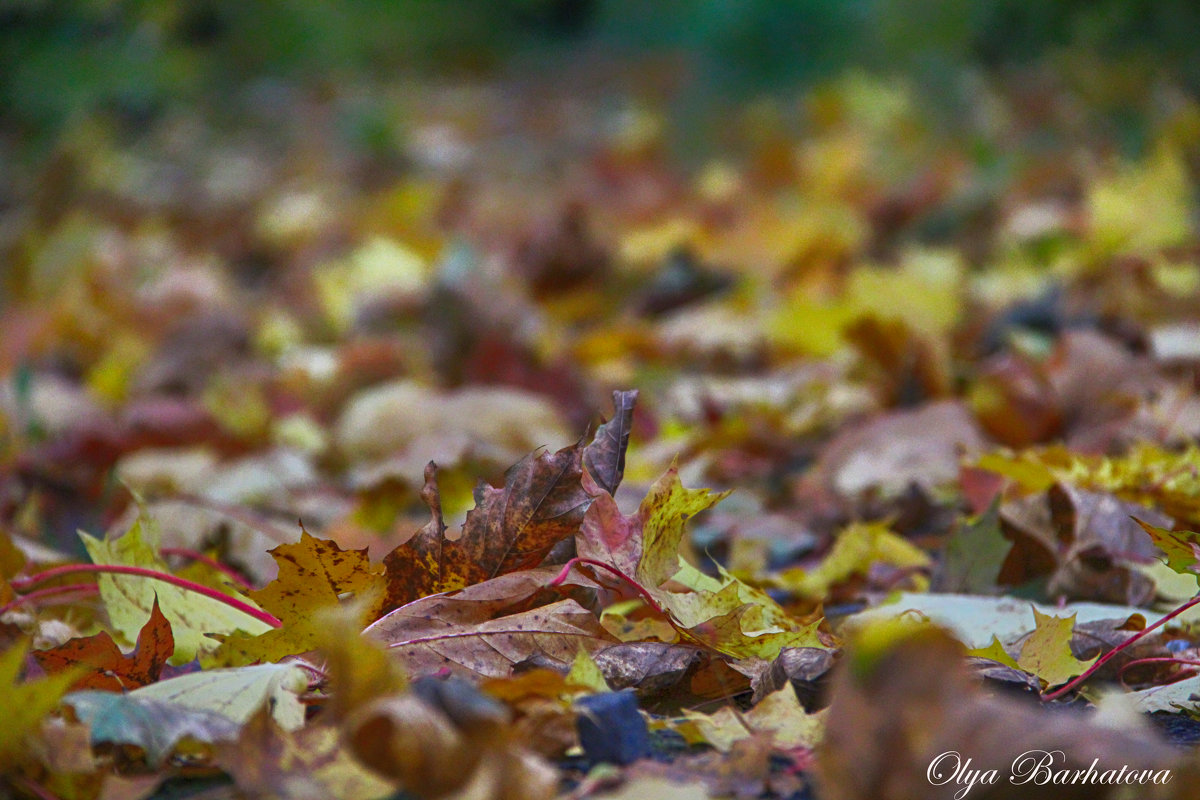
{"x": 313, "y": 574}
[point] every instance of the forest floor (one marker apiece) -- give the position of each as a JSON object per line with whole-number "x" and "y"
{"x": 776, "y": 466}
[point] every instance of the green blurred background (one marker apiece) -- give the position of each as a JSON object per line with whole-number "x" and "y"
{"x": 60, "y": 59}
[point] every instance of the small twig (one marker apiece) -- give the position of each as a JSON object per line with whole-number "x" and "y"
{"x": 142, "y": 572}
{"x": 1104, "y": 659}
{"x": 37, "y": 594}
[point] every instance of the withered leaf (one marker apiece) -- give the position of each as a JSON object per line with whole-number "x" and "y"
{"x": 109, "y": 669}
{"x": 432, "y": 634}
{"x": 269, "y": 761}
{"x": 604, "y": 458}
{"x": 543, "y": 502}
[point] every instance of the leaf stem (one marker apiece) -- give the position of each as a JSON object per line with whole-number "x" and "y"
{"x": 195, "y": 555}
{"x": 641, "y": 590}
{"x": 143, "y": 572}
{"x": 1102, "y": 660}
{"x": 37, "y": 594}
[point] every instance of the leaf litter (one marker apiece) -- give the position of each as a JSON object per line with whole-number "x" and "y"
{"x": 958, "y": 488}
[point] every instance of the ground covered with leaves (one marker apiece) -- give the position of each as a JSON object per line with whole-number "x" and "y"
{"x": 469, "y": 443}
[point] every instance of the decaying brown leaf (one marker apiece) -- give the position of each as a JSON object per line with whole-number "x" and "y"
{"x": 432, "y": 635}
{"x": 542, "y": 503}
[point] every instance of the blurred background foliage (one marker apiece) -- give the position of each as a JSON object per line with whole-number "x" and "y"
{"x": 62, "y": 59}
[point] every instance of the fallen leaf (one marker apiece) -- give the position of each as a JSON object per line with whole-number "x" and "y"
{"x": 313, "y": 763}
{"x": 975, "y": 620}
{"x": 803, "y": 668}
{"x": 1047, "y": 652}
{"x": 359, "y": 668}
{"x": 236, "y": 693}
{"x": 856, "y": 549}
{"x": 448, "y": 739}
{"x": 974, "y": 555}
{"x": 108, "y": 668}
{"x": 130, "y": 600}
{"x": 658, "y": 788}
{"x": 604, "y": 458}
{"x": 722, "y": 613}
{"x": 156, "y": 726}
{"x": 313, "y": 575}
{"x": 429, "y": 636}
{"x": 542, "y": 502}
{"x": 1172, "y": 698}
{"x": 887, "y": 454}
{"x": 778, "y": 717}
{"x": 906, "y": 715}
{"x": 1181, "y": 548}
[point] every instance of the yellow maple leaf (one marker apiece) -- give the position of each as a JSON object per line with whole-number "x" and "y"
{"x": 857, "y": 547}
{"x": 313, "y": 574}
{"x": 1047, "y": 654}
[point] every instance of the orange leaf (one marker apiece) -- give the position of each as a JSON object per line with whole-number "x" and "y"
{"x": 108, "y": 668}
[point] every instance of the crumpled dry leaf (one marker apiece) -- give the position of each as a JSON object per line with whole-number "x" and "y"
{"x": 312, "y": 763}
{"x": 604, "y": 458}
{"x": 447, "y": 739}
{"x": 509, "y": 529}
{"x": 804, "y": 668}
{"x": 922, "y": 446}
{"x": 1084, "y": 543}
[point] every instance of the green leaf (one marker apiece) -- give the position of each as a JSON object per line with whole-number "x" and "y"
{"x": 1181, "y": 548}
